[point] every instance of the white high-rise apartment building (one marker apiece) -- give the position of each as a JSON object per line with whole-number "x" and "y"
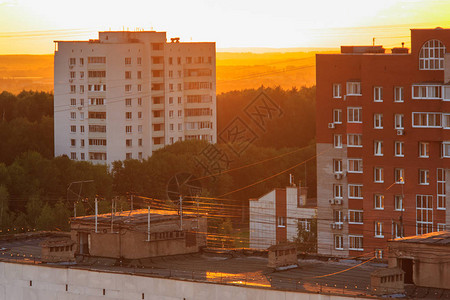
{"x": 128, "y": 94}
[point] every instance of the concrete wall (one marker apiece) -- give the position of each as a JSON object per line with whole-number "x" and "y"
{"x": 49, "y": 283}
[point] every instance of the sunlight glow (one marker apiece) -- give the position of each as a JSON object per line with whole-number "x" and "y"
{"x": 29, "y": 26}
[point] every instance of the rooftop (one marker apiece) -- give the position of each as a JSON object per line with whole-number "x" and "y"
{"x": 440, "y": 238}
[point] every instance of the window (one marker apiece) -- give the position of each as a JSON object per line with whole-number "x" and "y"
{"x": 397, "y": 230}
{"x": 427, "y": 92}
{"x": 82, "y": 77}
{"x": 355, "y": 242}
{"x": 140, "y": 155}
{"x": 180, "y": 127}
{"x": 171, "y": 127}
{"x": 441, "y": 190}
{"x": 179, "y": 100}
{"x": 440, "y": 227}
{"x": 179, "y": 87}
{"x": 139, "y": 101}
{"x": 72, "y": 61}
{"x": 337, "y": 90}
{"x": 81, "y": 143}
{"x": 431, "y": 56}
{"x": 431, "y": 120}
{"x": 424, "y": 149}
{"x": 179, "y": 60}
{"x": 424, "y": 177}
{"x": 337, "y": 140}
{"x": 129, "y": 143}
{"x": 180, "y": 113}
{"x": 378, "y": 229}
{"x": 128, "y": 60}
{"x": 338, "y": 216}
{"x": 445, "y": 151}
{"x": 128, "y": 129}
{"x": 424, "y": 214}
{"x": 398, "y": 121}
{"x": 81, "y": 115}
{"x": 378, "y": 148}
{"x": 82, "y": 156}
{"x": 140, "y": 142}
{"x": 399, "y": 176}
{"x": 305, "y": 224}
{"x": 139, "y": 74}
{"x": 127, "y": 74}
{"x": 81, "y": 128}
{"x": 72, "y": 75}
{"x": 96, "y": 60}
{"x": 338, "y": 242}
{"x": 378, "y": 175}
{"x": 378, "y": 121}
{"x": 171, "y": 140}
{"x": 337, "y": 116}
{"x": 355, "y": 216}
{"x": 73, "y": 89}
{"x": 139, "y": 88}
{"x": 355, "y": 165}
{"x": 378, "y": 201}
{"x": 128, "y": 88}
{"x": 81, "y": 61}
{"x": 128, "y": 102}
{"x": 129, "y": 155}
{"x": 398, "y": 203}
{"x": 281, "y": 222}
{"x": 81, "y": 89}
{"x": 354, "y": 115}
{"x": 398, "y": 94}
{"x": 354, "y": 88}
{"x": 73, "y": 115}
{"x": 73, "y": 155}
{"x": 171, "y": 87}
{"x": 378, "y": 94}
{"x": 73, "y": 142}
{"x": 170, "y": 100}
{"x": 139, "y": 60}
{"x": 128, "y": 115}
{"x": 337, "y": 191}
{"x": 139, "y": 114}
{"x": 73, "y": 128}
{"x": 140, "y": 128}
{"x": 354, "y": 140}
{"x": 337, "y": 166}
{"x": 73, "y": 102}
{"x": 355, "y": 191}
{"x": 398, "y": 149}
{"x": 170, "y": 113}
{"x": 82, "y": 102}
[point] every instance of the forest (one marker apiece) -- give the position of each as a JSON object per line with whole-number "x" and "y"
{"x": 40, "y": 192}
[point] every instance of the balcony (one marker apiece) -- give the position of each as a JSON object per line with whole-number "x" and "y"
{"x": 158, "y": 120}
{"x": 158, "y": 133}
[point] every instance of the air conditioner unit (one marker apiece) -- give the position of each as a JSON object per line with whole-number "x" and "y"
{"x": 400, "y": 132}
{"x": 338, "y": 176}
{"x": 331, "y": 125}
{"x": 338, "y": 201}
{"x": 331, "y": 201}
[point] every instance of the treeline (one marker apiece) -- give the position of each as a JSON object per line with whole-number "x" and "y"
{"x": 26, "y": 124}
{"x": 38, "y": 191}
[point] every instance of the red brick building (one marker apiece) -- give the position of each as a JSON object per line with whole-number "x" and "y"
{"x": 383, "y": 143}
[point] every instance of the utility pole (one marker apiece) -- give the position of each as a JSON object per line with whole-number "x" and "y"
{"x": 131, "y": 202}
{"x": 181, "y": 212}
{"x": 74, "y": 209}
{"x": 96, "y": 213}
{"x": 148, "y": 226}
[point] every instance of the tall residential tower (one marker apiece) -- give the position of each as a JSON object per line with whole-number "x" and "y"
{"x": 128, "y": 94}
{"x": 383, "y": 143}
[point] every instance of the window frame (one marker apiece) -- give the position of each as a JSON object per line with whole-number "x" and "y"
{"x": 357, "y": 164}
{"x": 354, "y": 115}
{"x": 377, "y": 94}
{"x": 399, "y": 149}
{"x": 378, "y": 174}
{"x": 378, "y": 201}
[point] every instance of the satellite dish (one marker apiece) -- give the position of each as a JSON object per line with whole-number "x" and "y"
{"x": 185, "y": 185}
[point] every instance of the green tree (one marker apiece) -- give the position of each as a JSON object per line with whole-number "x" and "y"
{"x": 306, "y": 239}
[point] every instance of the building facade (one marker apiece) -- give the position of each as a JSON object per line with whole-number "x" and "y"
{"x": 128, "y": 94}
{"x": 383, "y": 143}
{"x": 274, "y": 217}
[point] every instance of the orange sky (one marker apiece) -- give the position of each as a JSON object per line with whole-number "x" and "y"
{"x": 30, "y": 26}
